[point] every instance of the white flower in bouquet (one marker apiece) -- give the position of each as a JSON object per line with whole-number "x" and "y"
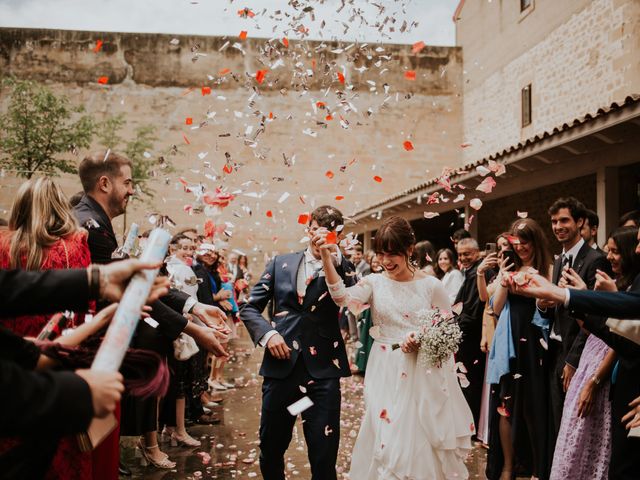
{"x": 439, "y": 336}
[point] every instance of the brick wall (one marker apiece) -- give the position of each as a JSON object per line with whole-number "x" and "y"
{"x": 587, "y": 62}
{"x": 497, "y": 215}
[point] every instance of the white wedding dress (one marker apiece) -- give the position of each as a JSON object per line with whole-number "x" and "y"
{"x": 417, "y": 424}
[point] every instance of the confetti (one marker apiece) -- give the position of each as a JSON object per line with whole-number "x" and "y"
{"x": 243, "y": 35}
{"x": 339, "y": 197}
{"x": 410, "y": 75}
{"x": 205, "y": 91}
{"x": 285, "y": 42}
{"x": 228, "y": 169}
{"x": 303, "y": 218}
{"x": 475, "y": 203}
{"x": 329, "y": 174}
{"x": 417, "y": 47}
{"x": 522, "y": 214}
{"x": 486, "y": 185}
{"x": 269, "y": 214}
{"x": 331, "y": 238}
{"x": 385, "y": 416}
{"x": 408, "y": 146}
{"x": 431, "y": 214}
{"x": 98, "y": 46}
{"x": 103, "y": 80}
{"x": 260, "y": 74}
{"x": 188, "y": 121}
{"x": 377, "y": 178}
{"x": 340, "y": 78}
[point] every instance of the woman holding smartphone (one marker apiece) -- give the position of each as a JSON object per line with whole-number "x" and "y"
{"x": 517, "y": 364}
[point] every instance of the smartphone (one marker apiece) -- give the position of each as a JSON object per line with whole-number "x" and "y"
{"x": 490, "y": 248}
{"x": 510, "y": 255}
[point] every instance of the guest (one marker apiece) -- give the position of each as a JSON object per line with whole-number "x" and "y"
{"x": 446, "y": 271}
{"x": 233, "y": 268}
{"x": 518, "y": 365}
{"x": 584, "y": 441}
{"x": 424, "y": 255}
{"x": 566, "y": 338}
{"x": 459, "y": 235}
{"x": 44, "y": 235}
{"x": 470, "y": 321}
{"x": 630, "y": 219}
{"x": 362, "y": 266}
{"x": 589, "y": 231}
{"x": 489, "y": 264}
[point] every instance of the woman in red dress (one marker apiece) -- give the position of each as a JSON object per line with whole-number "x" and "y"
{"x": 44, "y": 235}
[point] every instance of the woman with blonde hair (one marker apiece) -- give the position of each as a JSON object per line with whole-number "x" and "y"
{"x": 44, "y": 235}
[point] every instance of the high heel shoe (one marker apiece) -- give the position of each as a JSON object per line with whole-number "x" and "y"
{"x": 216, "y": 385}
{"x": 147, "y": 459}
{"x": 186, "y": 440}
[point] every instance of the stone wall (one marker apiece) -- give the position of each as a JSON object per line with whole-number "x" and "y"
{"x": 578, "y": 56}
{"x": 157, "y": 80}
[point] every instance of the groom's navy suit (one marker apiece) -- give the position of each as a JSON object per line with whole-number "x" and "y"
{"x": 309, "y": 326}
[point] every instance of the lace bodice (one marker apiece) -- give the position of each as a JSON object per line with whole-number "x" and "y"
{"x": 393, "y": 304}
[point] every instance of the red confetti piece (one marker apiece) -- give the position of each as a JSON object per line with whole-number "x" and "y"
{"x": 328, "y": 118}
{"x": 285, "y": 42}
{"x": 227, "y": 169}
{"x": 186, "y": 140}
{"x": 224, "y": 71}
{"x": 271, "y": 115}
{"x": 103, "y": 80}
{"x": 331, "y": 238}
{"x": 246, "y": 12}
{"x": 260, "y": 74}
{"x": 329, "y": 174}
{"x": 408, "y": 146}
{"x": 377, "y": 179}
{"x": 98, "y": 46}
{"x": 303, "y": 218}
{"x": 385, "y": 416}
{"x": 189, "y": 121}
{"x": 417, "y": 47}
{"x": 339, "y": 197}
{"x": 205, "y": 91}
{"x": 269, "y": 214}
{"x": 243, "y": 35}
{"x": 465, "y": 145}
{"x": 341, "y": 78}
{"x": 410, "y": 75}
{"x": 321, "y": 104}
{"x": 209, "y": 228}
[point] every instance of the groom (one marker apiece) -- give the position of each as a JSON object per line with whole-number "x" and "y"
{"x": 305, "y": 354}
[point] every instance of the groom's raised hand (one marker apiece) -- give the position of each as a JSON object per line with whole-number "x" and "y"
{"x": 278, "y": 347}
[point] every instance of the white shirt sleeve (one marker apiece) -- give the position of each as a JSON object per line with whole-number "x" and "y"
{"x": 265, "y": 338}
{"x": 567, "y": 297}
{"x": 355, "y": 298}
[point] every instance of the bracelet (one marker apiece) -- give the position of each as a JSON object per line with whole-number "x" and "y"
{"x": 94, "y": 282}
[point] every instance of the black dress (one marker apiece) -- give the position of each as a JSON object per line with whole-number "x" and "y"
{"x": 522, "y": 395}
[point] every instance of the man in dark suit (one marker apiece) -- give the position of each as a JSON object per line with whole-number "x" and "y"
{"x": 589, "y": 230}
{"x": 305, "y": 354}
{"x": 566, "y": 340}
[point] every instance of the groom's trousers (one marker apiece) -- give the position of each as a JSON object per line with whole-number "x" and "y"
{"x": 321, "y": 424}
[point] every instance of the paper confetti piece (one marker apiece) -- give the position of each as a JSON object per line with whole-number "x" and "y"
{"x": 486, "y": 185}
{"x": 341, "y": 78}
{"x": 377, "y": 179}
{"x": 243, "y": 35}
{"x": 331, "y": 238}
{"x": 408, "y": 146}
{"x": 339, "y": 197}
{"x": 205, "y": 91}
{"x": 227, "y": 169}
{"x": 329, "y": 174}
{"x": 98, "y": 46}
{"x": 410, "y": 75}
{"x": 103, "y": 80}
{"x": 285, "y": 42}
{"x": 385, "y": 416}
{"x": 269, "y": 214}
{"x": 303, "y": 218}
{"x": 475, "y": 203}
{"x": 417, "y": 47}
{"x": 522, "y": 214}
{"x": 260, "y": 74}
{"x": 246, "y": 13}
{"x": 431, "y": 214}
{"x": 188, "y": 121}
{"x": 186, "y": 140}
{"x": 312, "y": 351}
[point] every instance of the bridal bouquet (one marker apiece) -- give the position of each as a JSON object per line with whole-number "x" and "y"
{"x": 439, "y": 336}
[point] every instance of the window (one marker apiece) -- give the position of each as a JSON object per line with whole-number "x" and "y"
{"x": 524, "y": 4}
{"x": 526, "y": 106}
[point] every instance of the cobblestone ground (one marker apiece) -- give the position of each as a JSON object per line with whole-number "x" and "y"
{"x": 233, "y": 444}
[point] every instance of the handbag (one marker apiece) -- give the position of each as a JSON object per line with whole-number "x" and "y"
{"x": 184, "y": 347}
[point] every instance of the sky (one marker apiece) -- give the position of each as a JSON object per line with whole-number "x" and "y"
{"x": 220, "y": 18}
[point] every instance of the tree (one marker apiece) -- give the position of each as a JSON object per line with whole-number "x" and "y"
{"x": 40, "y": 131}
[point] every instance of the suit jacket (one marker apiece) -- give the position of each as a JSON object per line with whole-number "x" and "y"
{"x": 310, "y": 329}
{"x": 27, "y": 293}
{"x": 205, "y": 290}
{"x": 470, "y": 318}
{"x": 102, "y": 239}
{"x": 586, "y": 262}
{"x": 608, "y": 304}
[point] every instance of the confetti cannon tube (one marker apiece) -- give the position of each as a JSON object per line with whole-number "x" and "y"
{"x": 127, "y": 248}
{"x": 118, "y": 336}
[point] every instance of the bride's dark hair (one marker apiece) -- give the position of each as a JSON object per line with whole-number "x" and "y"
{"x": 395, "y": 237}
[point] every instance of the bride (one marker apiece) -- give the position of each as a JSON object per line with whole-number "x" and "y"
{"x": 417, "y": 425}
